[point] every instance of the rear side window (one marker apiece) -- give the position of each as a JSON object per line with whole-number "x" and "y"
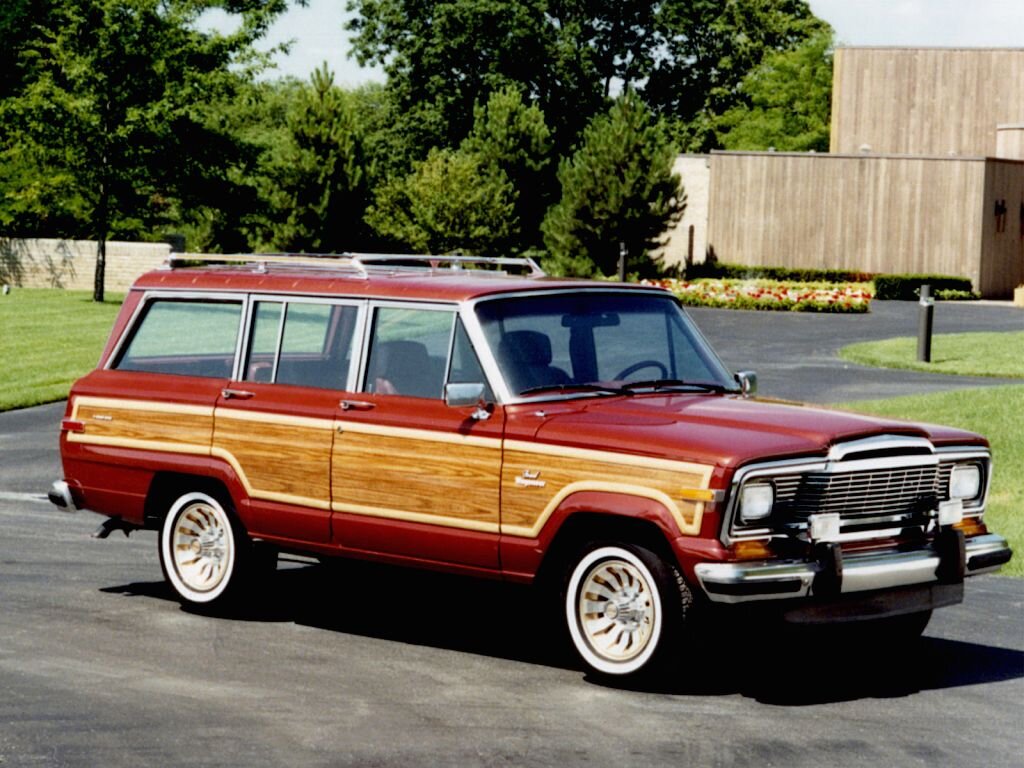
{"x": 301, "y": 343}
{"x": 184, "y": 338}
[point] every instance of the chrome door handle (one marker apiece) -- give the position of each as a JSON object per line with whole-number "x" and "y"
{"x": 238, "y": 394}
{"x": 356, "y": 405}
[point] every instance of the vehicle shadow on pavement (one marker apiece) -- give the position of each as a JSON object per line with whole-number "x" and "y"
{"x": 786, "y": 668}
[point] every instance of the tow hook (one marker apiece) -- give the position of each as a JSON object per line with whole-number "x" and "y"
{"x": 112, "y": 524}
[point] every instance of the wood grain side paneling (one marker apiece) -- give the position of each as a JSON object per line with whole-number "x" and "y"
{"x": 418, "y": 476}
{"x": 534, "y": 484}
{"x": 281, "y": 459}
{"x": 143, "y": 424}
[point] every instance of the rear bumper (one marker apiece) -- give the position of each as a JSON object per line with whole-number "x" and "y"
{"x": 836, "y": 573}
{"x": 60, "y": 496}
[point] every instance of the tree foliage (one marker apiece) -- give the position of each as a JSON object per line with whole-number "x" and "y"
{"x": 511, "y": 139}
{"x": 452, "y": 202}
{"x": 787, "y": 102}
{"x": 492, "y": 134}
{"x": 314, "y": 183}
{"x": 617, "y": 189}
{"x": 705, "y": 50}
{"x": 112, "y": 106}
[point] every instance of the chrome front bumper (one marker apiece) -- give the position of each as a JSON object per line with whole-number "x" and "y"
{"x": 781, "y": 580}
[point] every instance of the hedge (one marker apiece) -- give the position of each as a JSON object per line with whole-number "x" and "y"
{"x": 782, "y": 274}
{"x": 907, "y": 287}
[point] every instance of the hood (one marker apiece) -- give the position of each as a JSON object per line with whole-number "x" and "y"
{"x": 723, "y": 430}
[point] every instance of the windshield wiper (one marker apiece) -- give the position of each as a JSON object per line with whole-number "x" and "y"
{"x": 601, "y": 388}
{"x": 661, "y": 384}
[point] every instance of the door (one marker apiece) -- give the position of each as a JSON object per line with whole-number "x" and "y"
{"x": 411, "y": 476}
{"x": 275, "y": 423}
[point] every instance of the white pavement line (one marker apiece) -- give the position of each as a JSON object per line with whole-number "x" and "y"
{"x": 36, "y": 497}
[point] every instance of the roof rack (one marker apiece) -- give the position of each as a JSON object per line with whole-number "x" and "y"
{"x": 359, "y": 264}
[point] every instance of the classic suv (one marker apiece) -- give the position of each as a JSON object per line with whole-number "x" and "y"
{"x": 442, "y": 413}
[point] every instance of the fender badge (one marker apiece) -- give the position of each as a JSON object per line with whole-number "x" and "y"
{"x": 529, "y": 479}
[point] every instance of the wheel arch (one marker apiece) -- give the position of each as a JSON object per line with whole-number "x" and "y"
{"x": 167, "y": 486}
{"x": 583, "y": 526}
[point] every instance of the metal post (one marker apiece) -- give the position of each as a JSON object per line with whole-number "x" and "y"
{"x": 622, "y": 262}
{"x": 925, "y": 316}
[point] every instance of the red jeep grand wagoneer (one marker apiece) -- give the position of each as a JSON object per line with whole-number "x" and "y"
{"x": 475, "y": 416}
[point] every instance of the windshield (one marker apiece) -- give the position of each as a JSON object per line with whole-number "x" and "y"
{"x": 598, "y": 342}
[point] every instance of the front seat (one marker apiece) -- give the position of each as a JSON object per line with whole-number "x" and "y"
{"x": 525, "y": 358}
{"x": 403, "y": 368}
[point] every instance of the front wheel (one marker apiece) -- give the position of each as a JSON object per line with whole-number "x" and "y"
{"x": 201, "y": 548}
{"x": 625, "y": 608}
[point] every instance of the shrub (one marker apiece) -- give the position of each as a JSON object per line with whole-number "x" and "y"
{"x": 907, "y": 287}
{"x": 957, "y": 296}
{"x": 719, "y": 270}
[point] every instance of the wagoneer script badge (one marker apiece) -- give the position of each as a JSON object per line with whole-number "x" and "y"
{"x": 529, "y": 479}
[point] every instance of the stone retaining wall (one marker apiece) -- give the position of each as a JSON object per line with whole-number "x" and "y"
{"x": 71, "y": 264}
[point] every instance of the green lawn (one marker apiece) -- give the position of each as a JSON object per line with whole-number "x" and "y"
{"x": 997, "y": 413}
{"x": 966, "y": 354}
{"x": 48, "y": 338}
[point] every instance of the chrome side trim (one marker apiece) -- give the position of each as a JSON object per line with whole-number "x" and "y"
{"x": 774, "y": 580}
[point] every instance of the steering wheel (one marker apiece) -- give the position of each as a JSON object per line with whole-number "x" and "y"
{"x": 663, "y": 371}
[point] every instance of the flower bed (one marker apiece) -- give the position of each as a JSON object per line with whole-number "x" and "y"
{"x": 770, "y": 295}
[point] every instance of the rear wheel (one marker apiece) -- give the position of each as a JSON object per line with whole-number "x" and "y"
{"x": 625, "y": 608}
{"x": 202, "y": 549}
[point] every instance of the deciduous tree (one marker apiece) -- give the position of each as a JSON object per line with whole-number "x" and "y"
{"x": 787, "y": 102}
{"x": 113, "y": 103}
{"x": 452, "y": 202}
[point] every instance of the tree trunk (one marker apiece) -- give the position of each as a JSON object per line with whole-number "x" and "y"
{"x": 102, "y": 216}
{"x": 101, "y": 268}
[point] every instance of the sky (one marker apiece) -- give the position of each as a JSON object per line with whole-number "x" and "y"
{"x": 318, "y": 30}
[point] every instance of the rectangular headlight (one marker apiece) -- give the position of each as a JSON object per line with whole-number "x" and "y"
{"x": 756, "y": 500}
{"x": 965, "y": 482}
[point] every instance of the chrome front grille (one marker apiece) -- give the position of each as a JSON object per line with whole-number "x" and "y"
{"x": 899, "y": 491}
{"x": 880, "y": 487}
{"x": 868, "y": 500}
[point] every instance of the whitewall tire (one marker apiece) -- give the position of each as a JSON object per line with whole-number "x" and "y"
{"x": 200, "y": 548}
{"x": 622, "y": 606}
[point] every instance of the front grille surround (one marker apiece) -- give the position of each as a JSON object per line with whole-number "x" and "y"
{"x": 879, "y": 490}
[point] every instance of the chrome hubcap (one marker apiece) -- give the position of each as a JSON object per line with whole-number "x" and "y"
{"x": 616, "y": 610}
{"x": 200, "y": 546}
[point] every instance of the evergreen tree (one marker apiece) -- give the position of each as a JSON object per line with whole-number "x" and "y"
{"x": 512, "y": 138}
{"x": 315, "y": 190}
{"x": 617, "y": 189}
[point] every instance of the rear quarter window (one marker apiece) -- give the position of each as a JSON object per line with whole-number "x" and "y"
{"x": 185, "y": 338}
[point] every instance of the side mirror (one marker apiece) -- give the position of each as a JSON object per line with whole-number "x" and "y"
{"x": 748, "y": 383}
{"x": 467, "y": 395}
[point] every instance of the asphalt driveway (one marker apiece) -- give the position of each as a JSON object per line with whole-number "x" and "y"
{"x": 366, "y": 666}
{"x": 796, "y": 357}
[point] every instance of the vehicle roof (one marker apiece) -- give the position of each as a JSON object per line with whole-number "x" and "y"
{"x": 446, "y": 285}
